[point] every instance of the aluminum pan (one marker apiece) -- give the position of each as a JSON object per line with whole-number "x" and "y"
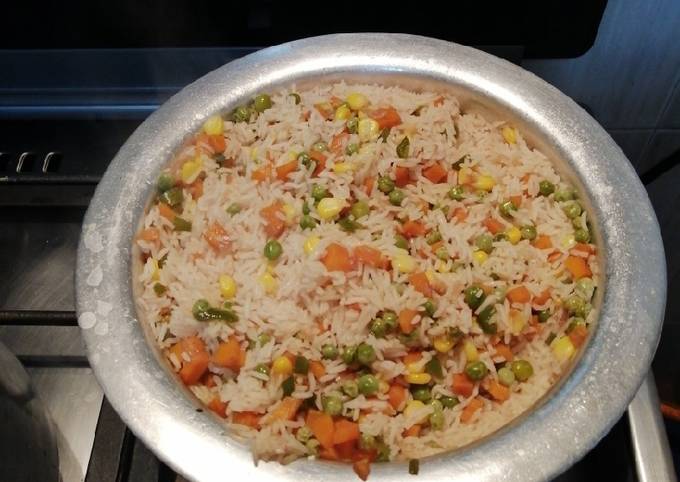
{"x": 543, "y": 443}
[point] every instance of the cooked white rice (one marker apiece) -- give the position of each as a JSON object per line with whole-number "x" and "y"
{"x": 307, "y": 306}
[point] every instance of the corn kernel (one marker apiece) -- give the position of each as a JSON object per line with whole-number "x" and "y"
{"x": 329, "y": 207}
{"x": 466, "y": 175}
{"x": 568, "y": 241}
{"x": 414, "y": 406}
{"x": 342, "y": 113}
{"x": 268, "y": 283}
{"x": 442, "y": 266}
{"x": 270, "y": 268}
{"x": 292, "y": 155}
{"x": 213, "y": 125}
{"x": 403, "y": 262}
{"x": 282, "y": 366}
{"x": 517, "y": 322}
{"x": 514, "y": 235}
{"x": 429, "y": 274}
{"x": 415, "y": 368}
{"x": 155, "y": 273}
{"x": 383, "y": 386}
{"x": 418, "y": 378}
{"x": 357, "y": 101}
{"x": 484, "y": 183}
{"x": 509, "y": 135}
{"x": 443, "y": 343}
{"x": 480, "y": 256}
{"x": 289, "y": 212}
{"x": 227, "y": 286}
{"x": 191, "y": 170}
{"x": 310, "y": 244}
{"x": 342, "y": 167}
{"x": 253, "y": 154}
{"x": 563, "y": 349}
{"x": 368, "y": 129}
{"x": 470, "y": 350}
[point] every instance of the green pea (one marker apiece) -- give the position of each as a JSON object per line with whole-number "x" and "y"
{"x": 575, "y": 321}
{"x": 165, "y": 181}
{"x": 400, "y": 241}
{"x": 368, "y": 384}
{"x": 385, "y": 184}
{"x": 429, "y": 307}
{"x": 159, "y": 289}
{"x": 474, "y": 296}
{"x": 332, "y": 405}
{"x": 262, "y": 368}
{"x": 585, "y": 287}
{"x": 262, "y": 102}
{"x": 506, "y": 376}
{"x": 575, "y": 304}
{"x": 485, "y": 320}
{"x": 320, "y": 146}
{"x": 350, "y": 388}
{"x": 433, "y": 237}
{"x": 312, "y": 446}
{"x": 352, "y": 125}
{"x": 319, "y": 192}
{"x": 436, "y": 420}
{"x": 476, "y": 370}
{"x": 301, "y": 365}
{"x": 351, "y": 148}
{"x": 500, "y": 237}
{"x": 263, "y": 339}
{"x": 456, "y": 193}
{"x": 288, "y": 386}
{"x": 303, "y": 434}
{"x": 572, "y": 210}
{"x": 241, "y": 114}
{"x": 421, "y": 392}
{"x": 366, "y": 441}
{"x": 396, "y": 197}
{"x": 348, "y": 354}
{"x": 307, "y": 222}
{"x": 403, "y": 148}
{"x": 522, "y": 370}
{"x": 304, "y": 159}
{"x": 305, "y": 209}
{"x": 296, "y": 97}
{"x": 329, "y": 352}
{"x": 544, "y": 315}
{"x": 272, "y": 250}
{"x": 434, "y": 367}
{"x": 448, "y": 402}
{"x": 390, "y": 320}
{"x": 378, "y": 328}
{"x": 442, "y": 253}
{"x": 505, "y": 208}
{"x": 348, "y": 224}
{"x": 484, "y": 242}
{"x": 200, "y": 306}
{"x": 234, "y": 208}
{"x": 528, "y": 232}
{"x": 359, "y": 209}
{"x": 566, "y": 194}
{"x": 365, "y": 354}
{"x": 546, "y": 188}
{"x": 173, "y": 196}
{"x": 181, "y": 224}
{"x": 582, "y": 235}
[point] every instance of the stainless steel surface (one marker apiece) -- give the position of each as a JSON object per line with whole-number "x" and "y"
{"x": 43, "y": 341}
{"x": 653, "y": 459}
{"x": 568, "y": 422}
{"x": 28, "y": 443}
{"x": 73, "y": 398}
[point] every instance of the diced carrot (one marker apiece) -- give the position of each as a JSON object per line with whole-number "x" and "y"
{"x": 401, "y": 176}
{"x": 578, "y": 335}
{"x": 166, "y": 211}
{"x": 320, "y": 161}
{"x": 325, "y": 109}
{"x": 218, "y": 406}
{"x": 518, "y": 294}
{"x": 217, "y": 238}
{"x": 262, "y": 174}
{"x": 420, "y": 283}
{"x": 578, "y": 267}
{"x": 412, "y": 431}
{"x": 405, "y": 320}
{"x": 285, "y": 410}
{"x": 362, "y": 468}
{"x": 201, "y": 138}
{"x": 317, "y": 369}
{"x": 345, "y": 431}
{"x": 499, "y": 392}
{"x": 191, "y": 347}
{"x": 149, "y": 234}
{"x": 413, "y": 229}
{"x": 290, "y": 356}
{"x": 504, "y": 350}
{"x": 321, "y": 425}
{"x": 328, "y": 453}
{"x": 208, "y": 380}
{"x": 337, "y": 258}
{"x": 273, "y": 216}
{"x": 386, "y": 117}
{"x": 336, "y": 143}
{"x": 516, "y": 201}
{"x": 396, "y": 395}
{"x": 493, "y": 225}
{"x": 217, "y": 142}
{"x": 229, "y": 355}
{"x": 336, "y": 101}
{"x": 542, "y": 298}
{"x": 543, "y": 242}
{"x": 346, "y": 450}
{"x": 462, "y": 385}
{"x": 435, "y": 173}
{"x": 460, "y": 214}
{"x": 554, "y": 256}
{"x": 283, "y": 170}
{"x": 370, "y": 256}
{"x": 196, "y": 188}
{"x": 249, "y": 419}
{"x": 368, "y": 185}
{"x": 412, "y": 357}
{"x": 435, "y": 246}
{"x": 583, "y": 248}
{"x": 469, "y": 411}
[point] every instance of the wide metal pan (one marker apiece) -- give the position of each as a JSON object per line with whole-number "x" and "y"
{"x": 544, "y": 442}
